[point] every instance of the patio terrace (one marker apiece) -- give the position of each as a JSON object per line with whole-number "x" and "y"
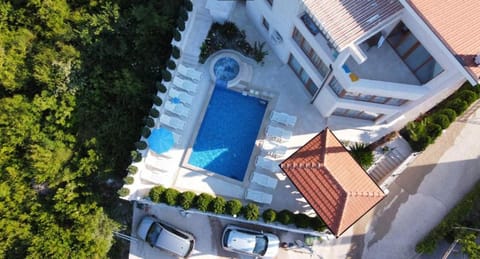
{"x": 273, "y": 77}
{"x": 382, "y": 64}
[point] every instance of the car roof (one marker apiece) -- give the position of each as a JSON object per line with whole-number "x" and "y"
{"x": 173, "y": 243}
{"x": 241, "y": 241}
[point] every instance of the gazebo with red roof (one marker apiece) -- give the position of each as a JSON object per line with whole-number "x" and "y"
{"x": 332, "y": 182}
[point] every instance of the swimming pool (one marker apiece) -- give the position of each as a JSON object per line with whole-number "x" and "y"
{"x": 228, "y": 132}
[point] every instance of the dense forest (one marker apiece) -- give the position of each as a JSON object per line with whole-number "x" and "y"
{"x": 76, "y": 81}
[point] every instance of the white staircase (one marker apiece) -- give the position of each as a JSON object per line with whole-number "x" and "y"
{"x": 390, "y": 160}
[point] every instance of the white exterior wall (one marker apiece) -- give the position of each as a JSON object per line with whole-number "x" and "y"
{"x": 283, "y": 16}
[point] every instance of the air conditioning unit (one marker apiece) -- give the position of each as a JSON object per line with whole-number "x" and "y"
{"x": 276, "y": 37}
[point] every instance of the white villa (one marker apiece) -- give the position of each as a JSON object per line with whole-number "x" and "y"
{"x": 371, "y": 65}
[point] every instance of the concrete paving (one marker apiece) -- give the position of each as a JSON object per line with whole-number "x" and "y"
{"x": 419, "y": 198}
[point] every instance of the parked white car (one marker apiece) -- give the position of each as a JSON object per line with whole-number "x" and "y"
{"x": 250, "y": 242}
{"x": 166, "y": 237}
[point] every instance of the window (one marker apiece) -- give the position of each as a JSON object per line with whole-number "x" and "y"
{"x": 363, "y": 115}
{"x": 270, "y": 2}
{"x": 265, "y": 23}
{"x": 302, "y": 75}
{"x": 310, "y": 24}
{"x": 309, "y": 52}
{"x": 414, "y": 54}
{"x": 342, "y": 93}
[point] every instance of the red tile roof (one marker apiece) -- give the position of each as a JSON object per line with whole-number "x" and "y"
{"x": 347, "y": 20}
{"x": 332, "y": 182}
{"x": 457, "y": 24}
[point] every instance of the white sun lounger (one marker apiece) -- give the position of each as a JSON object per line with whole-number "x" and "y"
{"x": 283, "y": 118}
{"x": 267, "y": 164}
{"x": 274, "y": 150}
{"x": 152, "y": 176}
{"x": 186, "y": 85}
{"x": 177, "y": 108}
{"x": 182, "y": 96}
{"x": 264, "y": 180}
{"x": 189, "y": 72}
{"x": 258, "y": 196}
{"x": 278, "y": 133}
{"x": 172, "y": 122}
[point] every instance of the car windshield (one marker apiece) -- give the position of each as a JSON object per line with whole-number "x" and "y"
{"x": 261, "y": 244}
{"x": 153, "y": 233}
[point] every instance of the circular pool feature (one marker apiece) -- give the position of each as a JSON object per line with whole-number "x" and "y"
{"x": 226, "y": 69}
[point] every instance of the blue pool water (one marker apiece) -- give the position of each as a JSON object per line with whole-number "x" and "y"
{"x": 228, "y": 132}
{"x": 226, "y": 69}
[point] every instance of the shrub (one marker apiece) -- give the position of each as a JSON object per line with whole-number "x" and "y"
{"x": 169, "y": 196}
{"x": 269, "y": 215}
{"x": 136, "y": 156}
{"x": 171, "y": 64}
{"x": 229, "y": 29}
{"x": 123, "y": 192}
{"x": 233, "y": 207}
{"x": 149, "y": 122}
{"x": 258, "y": 52}
{"x": 157, "y": 100}
{"x": 180, "y": 24}
{"x": 362, "y": 154}
{"x": 251, "y": 211}
{"x": 154, "y": 113}
{"x": 166, "y": 75}
{"x": 160, "y": 87}
{"x": 132, "y": 169}
{"x": 155, "y": 193}
{"x": 458, "y": 105}
{"x": 433, "y": 130}
{"x": 421, "y": 143}
{"x": 185, "y": 199}
{"x": 451, "y": 114}
{"x": 128, "y": 180}
{"x": 177, "y": 36}
{"x": 175, "y": 52}
{"x": 203, "y": 201}
{"x": 317, "y": 224}
{"x": 188, "y": 5}
{"x": 441, "y": 119}
{"x": 285, "y": 217}
{"x": 141, "y": 145}
{"x": 146, "y": 132}
{"x": 217, "y": 205}
{"x": 302, "y": 220}
{"x": 467, "y": 95}
{"x": 183, "y": 14}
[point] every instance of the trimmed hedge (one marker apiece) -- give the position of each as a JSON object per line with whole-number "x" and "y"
{"x": 149, "y": 122}
{"x": 128, "y": 180}
{"x": 157, "y": 100}
{"x": 203, "y": 201}
{"x": 217, "y": 205}
{"x": 423, "y": 132}
{"x": 154, "y": 113}
{"x": 269, "y": 215}
{"x": 132, "y": 169}
{"x": 141, "y": 145}
{"x": 285, "y": 217}
{"x": 160, "y": 87}
{"x": 123, "y": 192}
{"x": 169, "y": 196}
{"x": 188, "y": 5}
{"x": 166, "y": 75}
{"x": 146, "y": 132}
{"x": 233, "y": 207}
{"x": 206, "y": 202}
{"x": 251, "y": 211}
{"x": 171, "y": 64}
{"x": 185, "y": 199}
{"x": 175, "y": 52}
{"x": 457, "y": 216}
{"x": 156, "y": 193}
{"x": 136, "y": 156}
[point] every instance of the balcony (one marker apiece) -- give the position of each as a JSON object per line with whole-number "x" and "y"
{"x": 382, "y": 64}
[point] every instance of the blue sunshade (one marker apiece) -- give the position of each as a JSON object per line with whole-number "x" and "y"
{"x": 161, "y": 140}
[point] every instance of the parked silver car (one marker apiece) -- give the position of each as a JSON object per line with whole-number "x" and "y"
{"x": 166, "y": 237}
{"x": 250, "y": 242}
